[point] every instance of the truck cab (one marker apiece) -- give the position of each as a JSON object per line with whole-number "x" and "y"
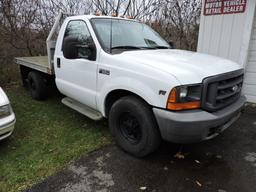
{"x": 122, "y": 70}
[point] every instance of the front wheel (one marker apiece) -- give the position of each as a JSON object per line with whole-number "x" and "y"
{"x": 134, "y": 127}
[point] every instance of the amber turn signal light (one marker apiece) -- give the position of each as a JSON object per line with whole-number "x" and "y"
{"x": 174, "y": 105}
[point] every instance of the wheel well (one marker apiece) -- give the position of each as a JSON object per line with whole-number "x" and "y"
{"x": 50, "y": 79}
{"x": 24, "y": 71}
{"x": 115, "y": 95}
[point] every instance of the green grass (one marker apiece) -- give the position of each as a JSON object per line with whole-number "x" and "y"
{"x": 47, "y": 136}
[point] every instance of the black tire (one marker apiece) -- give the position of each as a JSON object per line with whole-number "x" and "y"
{"x": 24, "y": 76}
{"x": 134, "y": 127}
{"x": 37, "y": 86}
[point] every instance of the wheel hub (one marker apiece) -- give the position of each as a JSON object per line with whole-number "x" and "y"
{"x": 130, "y": 128}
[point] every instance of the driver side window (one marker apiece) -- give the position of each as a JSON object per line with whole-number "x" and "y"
{"x": 77, "y": 33}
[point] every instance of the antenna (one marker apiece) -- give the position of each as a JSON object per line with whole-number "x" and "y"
{"x": 111, "y": 34}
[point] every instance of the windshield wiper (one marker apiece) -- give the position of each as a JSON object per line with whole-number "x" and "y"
{"x": 129, "y": 47}
{"x": 125, "y": 47}
{"x": 155, "y": 47}
{"x": 161, "y": 47}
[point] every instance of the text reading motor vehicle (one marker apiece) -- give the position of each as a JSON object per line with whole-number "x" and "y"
{"x": 122, "y": 70}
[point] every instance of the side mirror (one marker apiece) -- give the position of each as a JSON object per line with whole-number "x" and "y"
{"x": 172, "y": 44}
{"x": 93, "y": 52}
{"x": 86, "y": 51}
{"x": 73, "y": 49}
{"x": 69, "y": 48}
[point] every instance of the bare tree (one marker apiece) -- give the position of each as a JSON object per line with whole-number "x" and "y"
{"x": 179, "y": 20}
{"x": 106, "y": 7}
{"x": 143, "y": 10}
{"x": 25, "y": 24}
{"x": 133, "y": 8}
{"x": 17, "y": 20}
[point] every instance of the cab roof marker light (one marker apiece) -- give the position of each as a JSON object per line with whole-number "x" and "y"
{"x": 98, "y": 13}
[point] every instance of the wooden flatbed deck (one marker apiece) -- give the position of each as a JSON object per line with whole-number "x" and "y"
{"x": 39, "y": 63}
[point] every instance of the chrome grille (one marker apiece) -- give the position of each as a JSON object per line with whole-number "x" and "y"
{"x": 222, "y": 90}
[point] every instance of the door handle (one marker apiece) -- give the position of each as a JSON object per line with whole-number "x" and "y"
{"x": 58, "y": 62}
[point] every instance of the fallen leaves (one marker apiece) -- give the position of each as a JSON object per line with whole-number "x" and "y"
{"x": 143, "y": 188}
{"x": 198, "y": 162}
{"x": 218, "y": 156}
{"x": 199, "y": 184}
{"x": 179, "y": 155}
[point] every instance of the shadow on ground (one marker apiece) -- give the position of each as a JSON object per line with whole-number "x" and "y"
{"x": 227, "y": 163}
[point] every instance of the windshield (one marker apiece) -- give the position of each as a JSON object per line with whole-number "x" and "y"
{"x": 127, "y": 35}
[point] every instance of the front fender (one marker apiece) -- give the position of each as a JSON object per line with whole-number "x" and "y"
{"x": 149, "y": 94}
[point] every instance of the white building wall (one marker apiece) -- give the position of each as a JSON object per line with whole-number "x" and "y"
{"x": 229, "y": 36}
{"x": 250, "y": 75}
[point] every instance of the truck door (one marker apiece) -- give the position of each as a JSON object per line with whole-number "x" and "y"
{"x": 75, "y": 65}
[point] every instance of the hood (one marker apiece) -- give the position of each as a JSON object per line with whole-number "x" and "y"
{"x": 3, "y": 98}
{"x": 188, "y": 67}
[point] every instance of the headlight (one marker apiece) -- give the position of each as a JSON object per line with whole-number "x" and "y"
{"x": 185, "y": 97}
{"x": 5, "y": 111}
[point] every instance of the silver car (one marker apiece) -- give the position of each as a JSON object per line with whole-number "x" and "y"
{"x": 7, "y": 116}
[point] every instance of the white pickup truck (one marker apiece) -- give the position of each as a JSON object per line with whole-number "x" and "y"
{"x": 122, "y": 70}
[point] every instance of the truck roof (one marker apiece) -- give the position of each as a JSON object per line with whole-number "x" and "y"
{"x": 94, "y": 16}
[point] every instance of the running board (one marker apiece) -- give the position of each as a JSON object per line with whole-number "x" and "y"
{"x": 81, "y": 108}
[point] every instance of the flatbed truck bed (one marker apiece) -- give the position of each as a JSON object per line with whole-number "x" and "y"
{"x": 39, "y": 63}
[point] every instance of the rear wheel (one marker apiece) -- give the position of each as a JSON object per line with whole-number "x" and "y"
{"x": 134, "y": 127}
{"x": 37, "y": 86}
{"x": 24, "y": 71}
